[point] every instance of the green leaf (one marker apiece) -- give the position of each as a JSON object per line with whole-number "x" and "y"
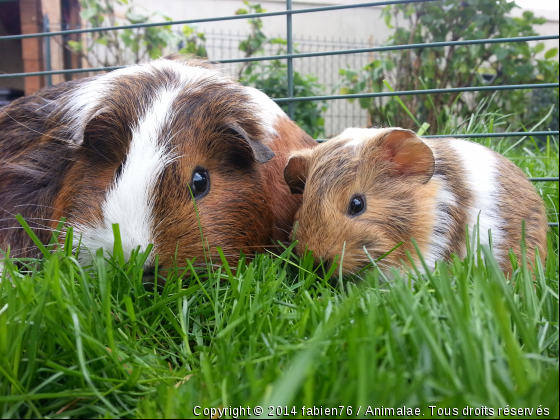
{"x": 87, "y": 14}
{"x": 423, "y": 129}
{"x": 427, "y": 19}
{"x": 75, "y": 46}
{"x": 166, "y": 37}
{"x": 135, "y": 17}
{"x": 364, "y": 102}
{"x": 126, "y": 39}
{"x": 388, "y": 21}
{"x": 538, "y": 48}
{"x": 409, "y": 11}
{"x": 388, "y": 64}
{"x": 551, "y": 53}
{"x": 401, "y": 103}
{"x": 155, "y": 52}
{"x": 501, "y": 53}
{"x": 241, "y": 12}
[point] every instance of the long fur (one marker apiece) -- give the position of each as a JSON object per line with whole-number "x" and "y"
{"x": 122, "y": 147}
{"x": 429, "y": 190}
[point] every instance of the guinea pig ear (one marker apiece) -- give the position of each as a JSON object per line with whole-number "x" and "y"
{"x": 410, "y": 156}
{"x": 261, "y": 152}
{"x": 295, "y": 172}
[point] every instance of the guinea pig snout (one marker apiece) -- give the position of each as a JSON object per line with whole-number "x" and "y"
{"x": 149, "y": 278}
{"x": 323, "y": 265}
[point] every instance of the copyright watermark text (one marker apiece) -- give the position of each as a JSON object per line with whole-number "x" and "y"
{"x": 366, "y": 411}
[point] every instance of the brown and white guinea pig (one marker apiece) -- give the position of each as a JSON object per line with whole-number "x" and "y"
{"x": 378, "y": 187}
{"x": 125, "y": 147}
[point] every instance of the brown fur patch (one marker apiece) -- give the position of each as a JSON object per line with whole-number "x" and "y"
{"x": 401, "y": 205}
{"x": 284, "y": 204}
{"x": 450, "y": 172}
{"x": 215, "y": 127}
{"x": 518, "y": 201}
{"x": 396, "y": 210}
{"x": 34, "y": 154}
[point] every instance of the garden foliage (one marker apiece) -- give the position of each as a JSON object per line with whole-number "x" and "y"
{"x": 272, "y": 76}
{"x": 130, "y": 46}
{"x": 456, "y": 66}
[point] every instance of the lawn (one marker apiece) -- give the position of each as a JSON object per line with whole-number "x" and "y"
{"x": 459, "y": 341}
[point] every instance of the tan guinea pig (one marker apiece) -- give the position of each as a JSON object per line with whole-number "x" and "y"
{"x": 129, "y": 146}
{"x": 378, "y": 187}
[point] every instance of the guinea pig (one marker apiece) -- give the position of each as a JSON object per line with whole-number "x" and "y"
{"x": 376, "y": 188}
{"x": 133, "y": 147}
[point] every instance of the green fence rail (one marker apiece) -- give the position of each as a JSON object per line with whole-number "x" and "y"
{"x": 300, "y": 55}
{"x": 417, "y": 92}
{"x": 290, "y": 56}
{"x": 287, "y": 12}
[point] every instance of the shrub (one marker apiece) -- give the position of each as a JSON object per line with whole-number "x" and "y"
{"x": 445, "y": 67}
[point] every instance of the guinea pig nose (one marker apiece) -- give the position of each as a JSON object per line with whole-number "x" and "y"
{"x": 148, "y": 278}
{"x": 323, "y": 265}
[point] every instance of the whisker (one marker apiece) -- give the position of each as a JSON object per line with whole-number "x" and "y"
{"x": 42, "y": 205}
{"x": 31, "y": 222}
{"x": 281, "y": 230}
{"x": 19, "y": 251}
{"x": 34, "y": 228}
{"x": 31, "y": 129}
{"x": 37, "y": 205}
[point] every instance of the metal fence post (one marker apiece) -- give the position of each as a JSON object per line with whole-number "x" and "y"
{"x": 47, "y": 49}
{"x": 291, "y": 112}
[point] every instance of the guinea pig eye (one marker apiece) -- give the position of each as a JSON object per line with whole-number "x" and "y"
{"x": 200, "y": 182}
{"x": 357, "y": 205}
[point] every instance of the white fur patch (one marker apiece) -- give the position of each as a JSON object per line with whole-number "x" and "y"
{"x": 357, "y": 136}
{"x": 129, "y": 201}
{"x": 439, "y": 242}
{"x": 480, "y": 165}
{"x": 268, "y": 110}
{"x": 480, "y": 168}
{"x": 82, "y": 102}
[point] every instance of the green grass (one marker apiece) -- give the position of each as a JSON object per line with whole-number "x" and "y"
{"x": 92, "y": 342}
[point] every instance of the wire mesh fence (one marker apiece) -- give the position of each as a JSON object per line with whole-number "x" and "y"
{"x": 224, "y": 47}
{"x": 322, "y": 58}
